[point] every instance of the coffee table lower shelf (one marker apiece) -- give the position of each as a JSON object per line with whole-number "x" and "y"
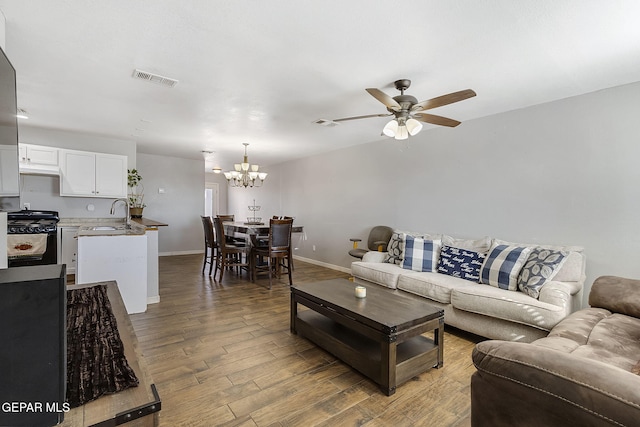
{"x": 370, "y": 357}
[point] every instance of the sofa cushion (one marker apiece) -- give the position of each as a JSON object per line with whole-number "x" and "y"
{"x": 462, "y": 263}
{"x": 420, "y": 254}
{"x": 477, "y": 245}
{"x": 516, "y": 307}
{"x": 540, "y": 267}
{"x": 381, "y": 273}
{"x": 434, "y": 286}
{"x": 502, "y": 266}
{"x": 597, "y": 334}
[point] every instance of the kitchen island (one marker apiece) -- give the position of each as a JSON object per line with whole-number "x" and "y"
{"x": 115, "y": 252}
{"x": 81, "y": 229}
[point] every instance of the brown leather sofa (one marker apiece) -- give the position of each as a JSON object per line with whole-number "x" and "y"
{"x": 586, "y": 372}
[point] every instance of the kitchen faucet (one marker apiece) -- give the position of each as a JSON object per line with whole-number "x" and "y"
{"x": 126, "y": 204}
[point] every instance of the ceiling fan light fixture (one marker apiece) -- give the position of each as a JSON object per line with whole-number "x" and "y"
{"x": 413, "y": 126}
{"x": 402, "y": 133}
{"x": 391, "y": 128}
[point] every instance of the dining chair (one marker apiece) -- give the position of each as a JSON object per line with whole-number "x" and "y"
{"x": 232, "y": 239}
{"x": 210, "y": 245}
{"x": 271, "y": 259}
{"x": 229, "y": 255}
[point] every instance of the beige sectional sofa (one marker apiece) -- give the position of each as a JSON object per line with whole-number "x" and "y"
{"x": 483, "y": 309}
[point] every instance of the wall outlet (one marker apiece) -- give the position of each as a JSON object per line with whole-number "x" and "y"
{"x": 26, "y": 206}
{"x": 314, "y": 248}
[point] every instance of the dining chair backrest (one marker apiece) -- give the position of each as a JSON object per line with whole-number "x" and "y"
{"x": 226, "y": 218}
{"x": 219, "y": 232}
{"x": 280, "y": 234}
{"x": 207, "y": 224}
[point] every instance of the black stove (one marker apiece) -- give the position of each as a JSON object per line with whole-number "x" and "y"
{"x": 19, "y": 226}
{"x": 28, "y": 222}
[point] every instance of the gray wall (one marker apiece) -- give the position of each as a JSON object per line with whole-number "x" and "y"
{"x": 559, "y": 173}
{"x": 180, "y": 206}
{"x": 43, "y": 192}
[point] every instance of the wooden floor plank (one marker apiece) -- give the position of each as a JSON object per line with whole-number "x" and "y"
{"x": 222, "y": 354}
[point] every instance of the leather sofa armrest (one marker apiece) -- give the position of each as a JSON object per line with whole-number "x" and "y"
{"x": 374, "y": 256}
{"x": 524, "y": 384}
{"x": 616, "y": 294}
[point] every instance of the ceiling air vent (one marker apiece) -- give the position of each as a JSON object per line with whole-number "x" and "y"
{"x": 325, "y": 122}
{"x": 154, "y": 78}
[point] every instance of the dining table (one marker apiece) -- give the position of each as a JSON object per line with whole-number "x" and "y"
{"x": 260, "y": 229}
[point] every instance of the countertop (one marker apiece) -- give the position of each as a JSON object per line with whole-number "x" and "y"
{"x": 86, "y": 226}
{"x": 111, "y": 229}
{"x": 149, "y": 223}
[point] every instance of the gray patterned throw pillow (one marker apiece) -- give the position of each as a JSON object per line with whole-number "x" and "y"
{"x": 540, "y": 267}
{"x": 394, "y": 249}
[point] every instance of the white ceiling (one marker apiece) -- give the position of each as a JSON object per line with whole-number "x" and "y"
{"x": 262, "y": 71}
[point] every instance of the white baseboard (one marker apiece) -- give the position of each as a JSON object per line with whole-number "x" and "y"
{"x": 303, "y": 259}
{"x": 153, "y": 300}
{"x": 323, "y": 264}
{"x": 180, "y": 253}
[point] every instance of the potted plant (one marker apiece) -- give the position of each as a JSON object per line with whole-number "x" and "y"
{"x": 136, "y": 193}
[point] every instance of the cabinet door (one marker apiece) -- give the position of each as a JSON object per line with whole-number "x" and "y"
{"x": 41, "y": 155}
{"x": 77, "y": 173}
{"x": 9, "y": 171}
{"x": 69, "y": 248}
{"x": 111, "y": 175}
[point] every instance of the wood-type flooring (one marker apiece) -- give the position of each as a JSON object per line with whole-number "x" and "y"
{"x": 221, "y": 354}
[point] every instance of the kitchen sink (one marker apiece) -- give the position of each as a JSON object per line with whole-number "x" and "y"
{"x": 108, "y": 228}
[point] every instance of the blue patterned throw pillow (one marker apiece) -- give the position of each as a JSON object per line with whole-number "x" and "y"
{"x": 502, "y": 266}
{"x": 541, "y": 266}
{"x": 462, "y": 263}
{"x": 420, "y": 254}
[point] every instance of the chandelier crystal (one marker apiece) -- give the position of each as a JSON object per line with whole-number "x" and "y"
{"x": 245, "y": 174}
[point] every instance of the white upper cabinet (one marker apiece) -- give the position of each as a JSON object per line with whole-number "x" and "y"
{"x": 34, "y": 155}
{"x": 86, "y": 174}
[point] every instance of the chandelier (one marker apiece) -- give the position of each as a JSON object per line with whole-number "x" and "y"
{"x": 245, "y": 174}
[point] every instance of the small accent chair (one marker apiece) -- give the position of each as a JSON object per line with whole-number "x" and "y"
{"x": 378, "y": 240}
{"x": 210, "y": 246}
{"x": 277, "y": 251}
{"x": 229, "y": 255}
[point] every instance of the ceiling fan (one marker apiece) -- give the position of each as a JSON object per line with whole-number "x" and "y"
{"x": 409, "y": 112}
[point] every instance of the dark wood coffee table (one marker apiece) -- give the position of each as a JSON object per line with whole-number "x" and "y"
{"x": 380, "y": 335}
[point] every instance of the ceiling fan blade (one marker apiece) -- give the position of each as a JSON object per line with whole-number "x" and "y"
{"x": 362, "y": 117}
{"x": 384, "y": 98}
{"x": 436, "y": 120}
{"x": 444, "y": 100}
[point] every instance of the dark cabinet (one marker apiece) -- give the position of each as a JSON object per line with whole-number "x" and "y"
{"x": 32, "y": 345}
